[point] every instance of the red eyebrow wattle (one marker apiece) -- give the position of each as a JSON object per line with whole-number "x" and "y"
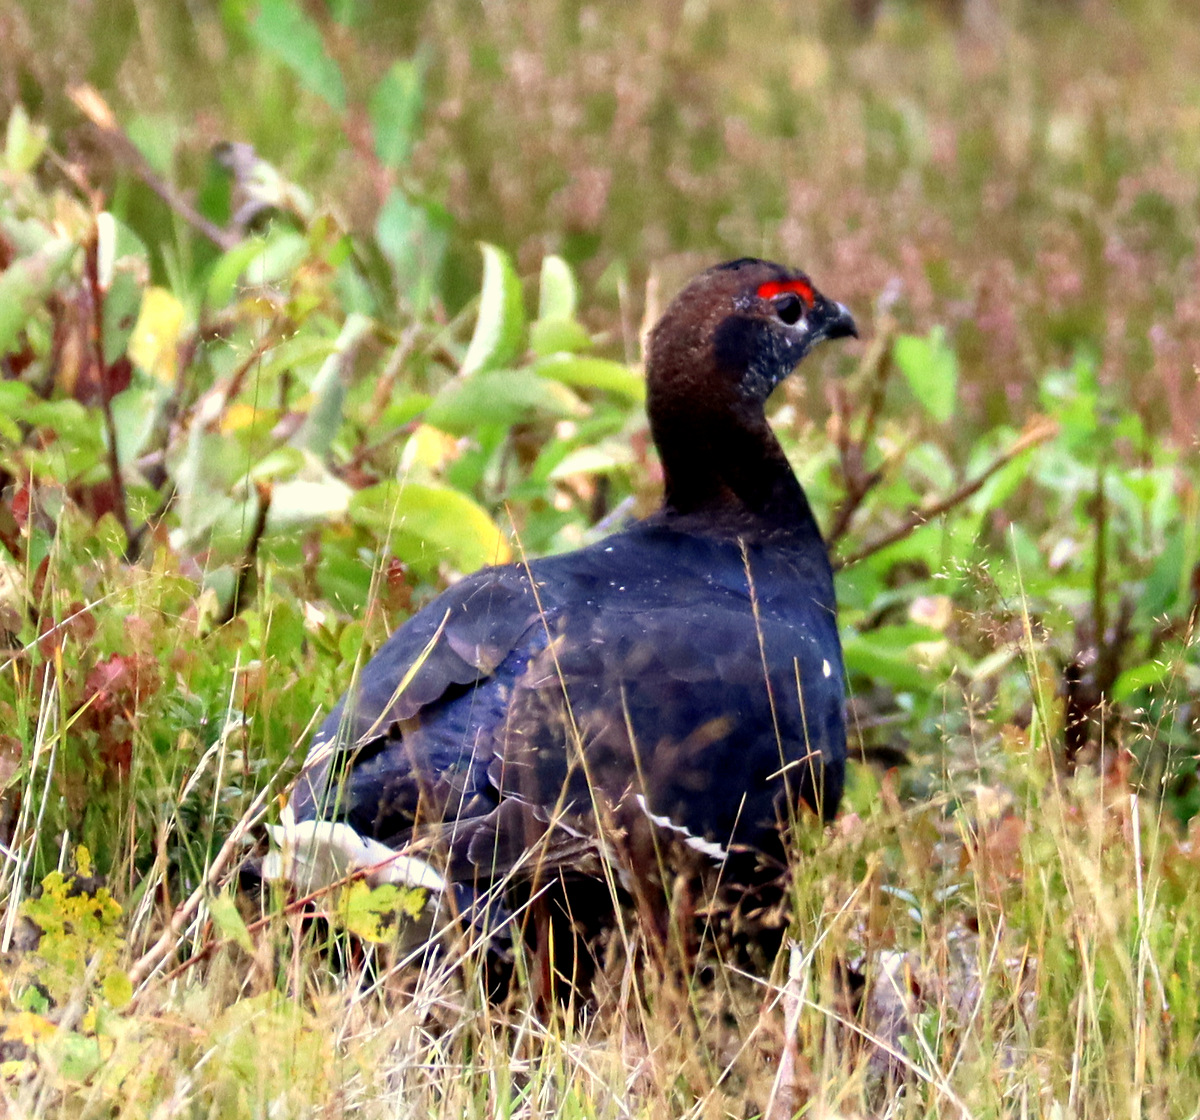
{"x": 773, "y": 288}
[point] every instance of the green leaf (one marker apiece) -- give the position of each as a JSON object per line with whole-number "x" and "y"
{"x": 342, "y": 576}
{"x": 413, "y": 237}
{"x": 997, "y": 490}
{"x": 228, "y": 268}
{"x": 277, "y": 258}
{"x": 430, "y": 524}
{"x": 121, "y": 309}
{"x": 283, "y": 30}
{"x": 329, "y": 388}
{"x": 228, "y": 920}
{"x": 135, "y": 412}
{"x": 80, "y": 444}
{"x": 14, "y": 399}
{"x": 1147, "y": 675}
{"x": 886, "y": 655}
{"x": 604, "y": 459}
{"x": 117, "y": 988}
{"x": 202, "y": 476}
{"x": 301, "y": 357}
{"x": 279, "y": 465}
{"x": 592, "y": 373}
{"x": 76, "y": 1056}
{"x": 557, "y": 293}
{"x": 554, "y": 336}
{"x": 24, "y": 142}
{"x": 156, "y": 135}
{"x": 931, "y": 368}
{"x": 1167, "y": 586}
{"x": 404, "y": 409}
{"x": 297, "y": 502}
{"x": 500, "y": 327}
{"x": 395, "y": 112}
{"x": 1073, "y": 398}
{"x": 26, "y": 282}
{"x": 500, "y": 397}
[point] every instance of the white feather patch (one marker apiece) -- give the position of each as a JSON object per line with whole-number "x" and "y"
{"x": 314, "y": 854}
{"x": 697, "y": 843}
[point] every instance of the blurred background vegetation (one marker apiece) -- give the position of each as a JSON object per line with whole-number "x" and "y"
{"x": 262, "y": 393}
{"x": 1021, "y": 172}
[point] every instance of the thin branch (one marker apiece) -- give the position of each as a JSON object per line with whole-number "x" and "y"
{"x": 787, "y": 1090}
{"x": 120, "y": 505}
{"x": 1040, "y": 430}
{"x": 89, "y": 102}
{"x": 1100, "y": 570}
{"x": 878, "y": 360}
{"x": 104, "y": 374}
{"x": 386, "y": 381}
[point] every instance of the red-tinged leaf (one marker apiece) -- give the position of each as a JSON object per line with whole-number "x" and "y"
{"x": 121, "y": 681}
{"x": 116, "y": 753}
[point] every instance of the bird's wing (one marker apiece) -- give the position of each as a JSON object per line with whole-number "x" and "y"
{"x": 447, "y": 648}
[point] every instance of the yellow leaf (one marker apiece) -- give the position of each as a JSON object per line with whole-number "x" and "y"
{"x": 429, "y": 447}
{"x": 154, "y": 345}
{"x": 432, "y": 521}
{"x": 118, "y": 989}
{"x": 28, "y": 1028}
{"x": 239, "y": 416}
{"x": 375, "y": 914}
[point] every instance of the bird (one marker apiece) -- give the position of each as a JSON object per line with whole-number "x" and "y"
{"x": 667, "y": 697}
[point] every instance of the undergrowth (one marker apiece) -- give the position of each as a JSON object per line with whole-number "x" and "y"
{"x": 247, "y": 426}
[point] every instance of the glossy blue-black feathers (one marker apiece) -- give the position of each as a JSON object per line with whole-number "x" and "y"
{"x": 679, "y": 681}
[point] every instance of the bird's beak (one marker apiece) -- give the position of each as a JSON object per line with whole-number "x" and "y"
{"x": 832, "y": 320}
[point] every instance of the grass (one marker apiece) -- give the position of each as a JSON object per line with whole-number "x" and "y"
{"x": 1017, "y": 942}
{"x": 1053, "y": 1006}
{"x": 986, "y": 930}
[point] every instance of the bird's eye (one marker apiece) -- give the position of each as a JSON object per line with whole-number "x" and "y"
{"x": 789, "y": 307}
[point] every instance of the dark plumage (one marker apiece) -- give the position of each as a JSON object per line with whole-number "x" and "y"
{"x": 676, "y": 688}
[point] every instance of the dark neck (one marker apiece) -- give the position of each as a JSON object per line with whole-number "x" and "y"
{"x": 725, "y": 472}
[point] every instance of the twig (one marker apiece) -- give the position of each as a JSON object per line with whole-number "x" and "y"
{"x": 177, "y": 406}
{"x": 89, "y": 102}
{"x": 387, "y": 378}
{"x": 1040, "y": 430}
{"x": 233, "y": 385}
{"x": 120, "y": 506}
{"x": 1100, "y": 571}
{"x": 210, "y": 407}
{"x": 96, "y": 296}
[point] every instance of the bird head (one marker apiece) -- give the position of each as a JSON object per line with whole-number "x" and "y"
{"x": 738, "y": 329}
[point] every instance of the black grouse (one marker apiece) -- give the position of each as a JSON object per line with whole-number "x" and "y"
{"x": 664, "y": 697}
